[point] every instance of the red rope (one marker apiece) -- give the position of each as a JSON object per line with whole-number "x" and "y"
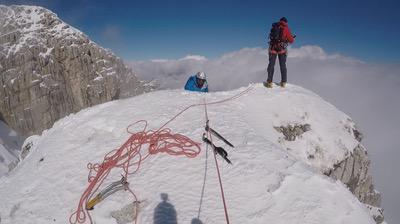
{"x": 216, "y": 164}
{"x": 132, "y": 153}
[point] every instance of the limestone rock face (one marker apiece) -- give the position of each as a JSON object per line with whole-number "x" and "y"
{"x": 49, "y": 69}
{"x": 353, "y": 170}
{"x": 354, "y": 173}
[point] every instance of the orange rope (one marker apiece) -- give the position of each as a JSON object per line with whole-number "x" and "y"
{"x": 130, "y": 155}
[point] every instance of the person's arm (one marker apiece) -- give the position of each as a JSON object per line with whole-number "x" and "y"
{"x": 187, "y": 85}
{"x": 288, "y": 35}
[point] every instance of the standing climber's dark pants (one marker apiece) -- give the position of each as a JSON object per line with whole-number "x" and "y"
{"x": 282, "y": 65}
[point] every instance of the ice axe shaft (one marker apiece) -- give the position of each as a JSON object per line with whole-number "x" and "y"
{"x": 216, "y": 134}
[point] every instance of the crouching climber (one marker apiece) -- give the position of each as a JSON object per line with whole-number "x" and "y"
{"x": 197, "y": 83}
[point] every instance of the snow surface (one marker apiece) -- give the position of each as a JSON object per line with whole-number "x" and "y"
{"x": 267, "y": 183}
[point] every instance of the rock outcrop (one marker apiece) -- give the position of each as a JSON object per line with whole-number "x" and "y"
{"x": 353, "y": 171}
{"x": 291, "y": 132}
{"x": 50, "y": 69}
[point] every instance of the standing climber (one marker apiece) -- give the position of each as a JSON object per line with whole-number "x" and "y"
{"x": 197, "y": 83}
{"x": 279, "y": 38}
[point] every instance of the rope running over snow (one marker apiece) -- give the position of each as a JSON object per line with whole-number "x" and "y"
{"x": 134, "y": 151}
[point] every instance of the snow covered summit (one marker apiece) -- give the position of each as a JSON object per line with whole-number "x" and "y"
{"x": 285, "y": 139}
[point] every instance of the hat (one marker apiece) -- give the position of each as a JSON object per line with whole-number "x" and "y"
{"x": 283, "y": 19}
{"x": 201, "y": 75}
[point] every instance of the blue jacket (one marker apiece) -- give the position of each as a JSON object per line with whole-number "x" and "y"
{"x": 191, "y": 85}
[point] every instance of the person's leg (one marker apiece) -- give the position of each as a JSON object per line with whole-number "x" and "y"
{"x": 282, "y": 65}
{"x": 271, "y": 65}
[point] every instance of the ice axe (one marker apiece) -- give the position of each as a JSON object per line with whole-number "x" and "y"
{"x": 216, "y": 134}
{"x": 221, "y": 151}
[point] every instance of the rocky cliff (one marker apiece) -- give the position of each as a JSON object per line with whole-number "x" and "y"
{"x": 50, "y": 69}
{"x": 353, "y": 170}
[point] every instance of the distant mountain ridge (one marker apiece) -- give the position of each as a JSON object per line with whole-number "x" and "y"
{"x": 50, "y": 69}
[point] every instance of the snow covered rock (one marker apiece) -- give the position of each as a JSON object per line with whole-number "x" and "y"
{"x": 291, "y": 132}
{"x": 10, "y": 148}
{"x": 355, "y": 174}
{"x": 272, "y": 180}
{"x": 377, "y": 214}
{"x": 50, "y": 69}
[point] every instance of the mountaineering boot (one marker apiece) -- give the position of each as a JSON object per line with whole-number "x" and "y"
{"x": 283, "y": 84}
{"x": 268, "y": 84}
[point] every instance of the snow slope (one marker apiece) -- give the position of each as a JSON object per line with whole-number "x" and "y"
{"x": 271, "y": 180}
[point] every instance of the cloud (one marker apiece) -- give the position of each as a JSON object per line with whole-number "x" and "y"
{"x": 365, "y": 91}
{"x": 223, "y": 73}
{"x": 234, "y": 69}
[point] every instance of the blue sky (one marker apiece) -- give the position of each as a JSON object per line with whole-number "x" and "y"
{"x": 139, "y": 30}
